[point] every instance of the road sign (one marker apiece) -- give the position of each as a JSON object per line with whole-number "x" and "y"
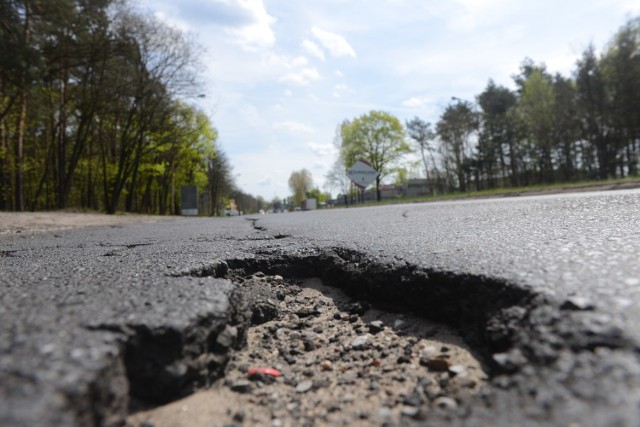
{"x": 362, "y": 173}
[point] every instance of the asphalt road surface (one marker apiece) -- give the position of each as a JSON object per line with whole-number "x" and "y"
{"x": 546, "y": 289}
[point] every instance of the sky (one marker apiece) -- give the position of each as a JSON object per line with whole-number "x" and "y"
{"x": 281, "y": 75}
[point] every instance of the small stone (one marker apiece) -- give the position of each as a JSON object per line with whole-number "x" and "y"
{"x": 435, "y": 364}
{"x": 412, "y": 400}
{"x": 446, "y": 403}
{"x": 403, "y": 360}
{"x": 429, "y": 352}
{"x": 263, "y": 311}
{"x": 511, "y": 361}
{"x": 359, "y": 308}
{"x": 385, "y": 413}
{"x": 227, "y": 337}
{"x": 376, "y": 326}
{"x": 326, "y": 365}
{"x": 466, "y": 382}
{"x": 239, "y": 416}
{"x": 308, "y": 345}
{"x": 457, "y": 370}
{"x": 361, "y": 342}
{"x": 304, "y": 386}
{"x": 290, "y": 360}
{"x": 577, "y": 304}
{"x": 321, "y": 383}
{"x": 307, "y": 312}
{"x": 241, "y": 386}
{"x": 410, "y": 411}
{"x": 399, "y": 324}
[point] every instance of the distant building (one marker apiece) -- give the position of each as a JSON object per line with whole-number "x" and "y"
{"x": 309, "y": 204}
{"x": 388, "y": 191}
{"x": 416, "y": 188}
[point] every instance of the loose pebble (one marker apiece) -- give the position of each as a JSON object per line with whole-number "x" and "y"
{"x": 304, "y": 386}
{"x": 446, "y": 403}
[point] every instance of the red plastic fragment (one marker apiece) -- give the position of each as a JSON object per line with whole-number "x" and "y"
{"x": 264, "y": 371}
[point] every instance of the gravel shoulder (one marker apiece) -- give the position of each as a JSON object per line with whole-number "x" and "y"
{"x": 29, "y": 223}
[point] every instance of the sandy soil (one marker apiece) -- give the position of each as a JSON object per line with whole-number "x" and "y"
{"x": 338, "y": 363}
{"x": 38, "y": 222}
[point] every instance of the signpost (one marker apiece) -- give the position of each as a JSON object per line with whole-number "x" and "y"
{"x": 189, "y": 205}
{"x": 362, "y": 174}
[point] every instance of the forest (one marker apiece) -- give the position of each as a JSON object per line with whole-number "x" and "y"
{"x": 550, "y": 128}
{"x": 97, "y": 111}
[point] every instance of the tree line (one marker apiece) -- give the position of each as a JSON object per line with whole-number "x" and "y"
{"x": 95, "y": 111}
{"x": 550, "y": 128}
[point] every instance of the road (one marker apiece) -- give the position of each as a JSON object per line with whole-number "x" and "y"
{"x": 545, "y": 288}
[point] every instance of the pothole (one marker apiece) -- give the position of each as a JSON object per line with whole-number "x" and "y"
{"x": 315, "y": 356}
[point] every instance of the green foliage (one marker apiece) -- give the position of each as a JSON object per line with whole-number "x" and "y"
{"x": 300, "y": 183}
{"x": 377, "y": 137}
{"x": 91, "y": 97}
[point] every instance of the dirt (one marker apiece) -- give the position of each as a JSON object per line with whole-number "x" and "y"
{"x": 30, "y": 223}
{"x": 330, "y": 361}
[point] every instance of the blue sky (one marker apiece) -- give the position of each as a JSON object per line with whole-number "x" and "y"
{"x": 282, "y": 74}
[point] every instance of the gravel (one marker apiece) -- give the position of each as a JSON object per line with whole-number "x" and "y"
{"x": 322, "y": 359}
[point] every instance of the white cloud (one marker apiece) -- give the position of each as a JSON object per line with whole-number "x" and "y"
{"x": 267, "y": 181}
{"x": 293, "y": 127}
{"x": 257, "y": 34}
{"x": 299, "y": 61}
{"x": 313, "y": 49}
{"x": 339, "y": 73}
{"x": 323, "y": 150}
{"x": 415, "y": 102}
{"x": 334, "y": 43}
{"x": 341, "y": 88}
{"x": 302, "y": 78}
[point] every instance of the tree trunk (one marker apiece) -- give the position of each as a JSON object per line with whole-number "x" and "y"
{"x": 5, "y": 179}
{"x": 19, "y": 151}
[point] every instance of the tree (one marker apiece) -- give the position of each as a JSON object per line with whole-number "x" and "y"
{"x": 300, "y": 182}
{"x": 158, "y": 62}
{"x": 377, "y": 137}
{"x": 421, "y": 132}
{"x": 496, "y": 141}
{"x": 456, "y": 125}
{"x": 621, "y": 67}
{"x": 220, "y": 182}
{"x": 337, "y": 178}
{"x": 566, "y": 126}
{"x": 537, "y": 106}
{"x": 593, "y": 107}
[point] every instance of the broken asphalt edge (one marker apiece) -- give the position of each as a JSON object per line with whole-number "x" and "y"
{"x": 550, "y": 362}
